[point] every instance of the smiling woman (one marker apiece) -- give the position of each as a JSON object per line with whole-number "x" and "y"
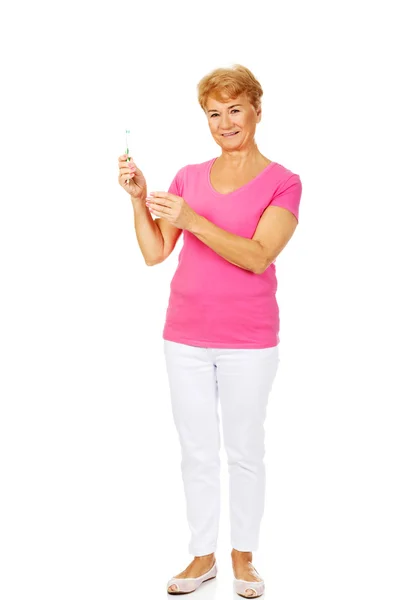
{"x": 237, "y": 212}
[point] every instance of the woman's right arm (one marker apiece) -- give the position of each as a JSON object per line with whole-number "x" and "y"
{"x": 149, "y": 236}
{"x": 156, "y": 238}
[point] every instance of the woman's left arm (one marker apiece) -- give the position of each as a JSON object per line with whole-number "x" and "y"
{"x": 274, "y": 230}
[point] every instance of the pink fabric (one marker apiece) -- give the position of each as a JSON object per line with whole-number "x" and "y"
{"x": 214, "y": 303}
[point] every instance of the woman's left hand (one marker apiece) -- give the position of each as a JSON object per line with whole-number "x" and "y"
{"x": 172, "y": 208}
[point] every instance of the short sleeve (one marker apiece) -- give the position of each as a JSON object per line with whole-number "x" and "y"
{"x": 288, "y": 195}
{"x": 176, "y": 186}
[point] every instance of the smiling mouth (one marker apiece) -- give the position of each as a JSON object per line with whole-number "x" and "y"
{"x": 229, "y": 134}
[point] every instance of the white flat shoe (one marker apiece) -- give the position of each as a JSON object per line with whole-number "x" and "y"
{"x": 190, "y": 584}
{"x": 240, "y": 586}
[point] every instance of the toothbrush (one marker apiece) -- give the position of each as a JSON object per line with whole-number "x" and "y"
{"x": 127, "y": 150}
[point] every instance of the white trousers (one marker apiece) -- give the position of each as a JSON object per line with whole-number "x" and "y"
{"x": 241, "y": 379}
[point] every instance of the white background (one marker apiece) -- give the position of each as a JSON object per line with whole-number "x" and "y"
{"x": 92, "y": 502}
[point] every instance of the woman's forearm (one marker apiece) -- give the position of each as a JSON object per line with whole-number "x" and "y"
{"x": 148, "y": 234}
{"x": 240, "y": 251}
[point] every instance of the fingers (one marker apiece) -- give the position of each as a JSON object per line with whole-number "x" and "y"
{"x": 124, "y": 158}
{"x": 127, "y": 175}
{"x": 126, "y": 167}
{"x": 126, "y": 163}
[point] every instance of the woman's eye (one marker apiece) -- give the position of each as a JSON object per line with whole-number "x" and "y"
{"x": 234, "y": 110}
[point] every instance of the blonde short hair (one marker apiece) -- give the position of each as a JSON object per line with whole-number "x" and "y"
{"x": 224, "y": 83}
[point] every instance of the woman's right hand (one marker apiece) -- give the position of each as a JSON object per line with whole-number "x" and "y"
{"x": 136, "y": 186}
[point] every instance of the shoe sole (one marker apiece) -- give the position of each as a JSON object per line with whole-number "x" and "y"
{"x": 191, "y": 592}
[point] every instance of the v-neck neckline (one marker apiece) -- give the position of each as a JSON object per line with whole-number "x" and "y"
{"x": 239, "y": 189}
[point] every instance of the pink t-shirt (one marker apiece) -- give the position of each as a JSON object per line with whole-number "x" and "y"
{"x": 214, "y": 303}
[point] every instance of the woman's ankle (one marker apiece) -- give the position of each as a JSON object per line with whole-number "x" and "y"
{"x": 205, "y": 557}
{"x": 238, "y": 554}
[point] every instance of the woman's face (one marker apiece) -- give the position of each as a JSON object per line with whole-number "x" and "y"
{"x": 233, "y": 115}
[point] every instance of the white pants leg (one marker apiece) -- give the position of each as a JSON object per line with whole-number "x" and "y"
{"x": 245, "y": 379}
{"x": 194, "y": 400}
{"x": 242, "y": 379}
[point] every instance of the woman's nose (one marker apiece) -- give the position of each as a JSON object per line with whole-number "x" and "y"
{"x": 225, "y": 122}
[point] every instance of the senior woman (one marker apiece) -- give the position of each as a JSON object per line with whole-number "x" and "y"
{"x": 221, "y": 335}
